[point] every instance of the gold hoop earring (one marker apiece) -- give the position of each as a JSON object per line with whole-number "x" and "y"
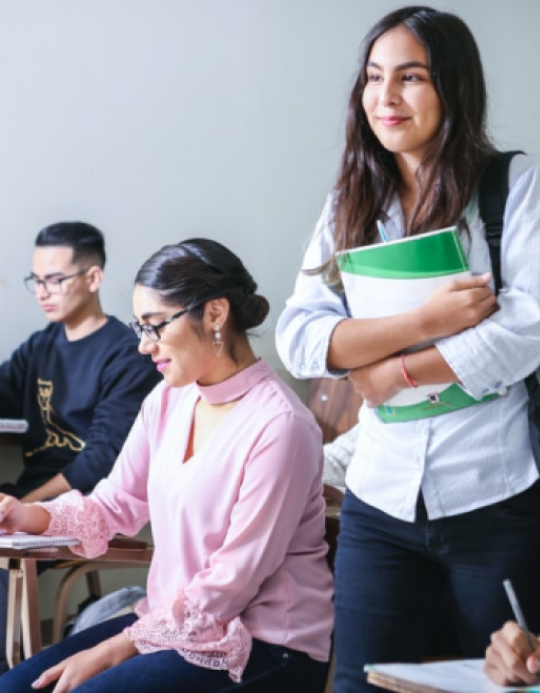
{"x": 217, "y": 344}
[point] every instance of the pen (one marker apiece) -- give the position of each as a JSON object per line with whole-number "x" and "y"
{"x": 518, "y": 613}
{"x": 382, "y": 231}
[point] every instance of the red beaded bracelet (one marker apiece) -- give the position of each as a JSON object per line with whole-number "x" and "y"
{"x": 406, "y": 377}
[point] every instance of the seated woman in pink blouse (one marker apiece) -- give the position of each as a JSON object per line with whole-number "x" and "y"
{"x": 226, "y": 463}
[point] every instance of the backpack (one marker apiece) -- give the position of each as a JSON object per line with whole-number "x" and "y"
{"x": 493, "y": 192}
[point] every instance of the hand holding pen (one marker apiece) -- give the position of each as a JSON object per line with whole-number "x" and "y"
{"x": 518, "y": 613}
{"x": 513, "y": 658}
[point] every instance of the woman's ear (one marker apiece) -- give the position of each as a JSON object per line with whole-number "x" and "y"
{"x": 217, "y": 312}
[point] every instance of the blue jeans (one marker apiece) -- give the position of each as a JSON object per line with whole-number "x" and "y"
{"x": 391, "y": 576}
{"x": 270, "y": 668}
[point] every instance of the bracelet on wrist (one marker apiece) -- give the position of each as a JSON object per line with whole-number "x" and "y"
{"x": 411, "y": 382}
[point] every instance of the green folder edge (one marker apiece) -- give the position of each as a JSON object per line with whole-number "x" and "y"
{"x": 450, "y": 399}
{"x": 408, "y": 258}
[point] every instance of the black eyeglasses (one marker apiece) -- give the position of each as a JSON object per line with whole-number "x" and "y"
{"x": 152, "y": 331}
{"x": 53, "y": 285}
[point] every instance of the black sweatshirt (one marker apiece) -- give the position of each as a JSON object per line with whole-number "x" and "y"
{"x": 80, "y": 399}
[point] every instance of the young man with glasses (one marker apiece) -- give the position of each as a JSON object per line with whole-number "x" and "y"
{"x": 79, "y": 382}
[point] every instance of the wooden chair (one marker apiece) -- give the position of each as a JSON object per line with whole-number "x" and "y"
{"x": 335, "y": 404}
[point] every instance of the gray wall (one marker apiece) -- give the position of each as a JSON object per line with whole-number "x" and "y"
{"x": 160, "y": 119}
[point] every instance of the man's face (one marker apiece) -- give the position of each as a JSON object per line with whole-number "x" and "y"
{"x": 62, "y": 300}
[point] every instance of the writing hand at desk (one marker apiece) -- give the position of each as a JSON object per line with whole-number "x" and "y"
{"x": 20, "y": 517}
{"x": 509, "y": 659}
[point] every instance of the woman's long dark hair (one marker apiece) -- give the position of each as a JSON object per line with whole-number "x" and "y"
{"x": 198, "y": 270}
{"x": 457, "y": 156}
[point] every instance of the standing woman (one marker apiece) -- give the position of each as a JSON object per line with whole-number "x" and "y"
{"x": 453, "y": 501}
{"x": 226, "y": 462}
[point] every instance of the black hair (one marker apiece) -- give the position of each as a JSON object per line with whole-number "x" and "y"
{"x": 85, "y": 240}
{"x": 198, "y": 270}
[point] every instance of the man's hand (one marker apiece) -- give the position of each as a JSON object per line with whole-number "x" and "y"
{"x": 509, "y": 659}
{"x": 52, "y": 488}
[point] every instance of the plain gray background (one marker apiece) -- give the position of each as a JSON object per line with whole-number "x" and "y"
{"x": 158, "y": 120}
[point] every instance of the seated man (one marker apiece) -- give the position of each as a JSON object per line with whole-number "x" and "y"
{"x": 79, "y": 382}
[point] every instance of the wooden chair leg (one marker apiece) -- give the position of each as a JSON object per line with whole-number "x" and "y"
{"x": 30, "y": 615}
{"x": 93, "y": 582}
{"x": 13, "y": 632}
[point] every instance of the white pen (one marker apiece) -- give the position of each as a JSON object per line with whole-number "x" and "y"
{"x": 518, "y": 613}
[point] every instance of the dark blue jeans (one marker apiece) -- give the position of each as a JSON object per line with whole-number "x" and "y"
{"x": 270, "y": 668}
{"x": 391, "y": 577}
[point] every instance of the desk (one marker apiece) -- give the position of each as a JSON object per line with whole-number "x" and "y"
{"x": 23, "y": 595}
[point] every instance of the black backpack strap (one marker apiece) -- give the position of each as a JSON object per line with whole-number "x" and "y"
{"x": 492, "y": 195}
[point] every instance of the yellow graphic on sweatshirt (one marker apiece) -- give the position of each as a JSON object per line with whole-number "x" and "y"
{"x": 56, "y": 436}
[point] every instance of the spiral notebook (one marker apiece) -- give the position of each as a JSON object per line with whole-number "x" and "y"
{"x": 21, "y": 540}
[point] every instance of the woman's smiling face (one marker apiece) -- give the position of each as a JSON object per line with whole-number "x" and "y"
{"x": 401, "y": 104}
{"x": 183, "y": 355}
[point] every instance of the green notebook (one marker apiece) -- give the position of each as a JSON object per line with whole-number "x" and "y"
{"x": 393, "y": 278}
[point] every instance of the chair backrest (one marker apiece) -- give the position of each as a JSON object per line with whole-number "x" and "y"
{"x": 335, "y": 404}
{"x": 334, "y": 498}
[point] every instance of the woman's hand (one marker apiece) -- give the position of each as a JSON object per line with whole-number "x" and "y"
{"x": 459, "y": 304}
{"x": 18, "y": 517}
{"x": 379, "y": 381}
{"x": 81, "y": 667}
{"x": 509, "y": 660}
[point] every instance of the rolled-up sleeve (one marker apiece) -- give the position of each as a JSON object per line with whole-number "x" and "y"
{"x": 311, "y": 314}
{"x": 505, "y": 348}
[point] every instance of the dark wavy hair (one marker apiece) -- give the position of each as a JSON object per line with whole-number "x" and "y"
{"x": 85, "y": 240}
{"x": 198, "y": 270}
{"x": 457, "y": 155}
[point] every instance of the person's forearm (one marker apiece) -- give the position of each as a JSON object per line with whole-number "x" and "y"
{"x": 118, "y": 648}
{"x": 36, "y": 519}
{"x": 357, "y": 343}
{"x": 455, "y": 306}
{"x": 52, "y": 488}
{"x": 427, "y": 367}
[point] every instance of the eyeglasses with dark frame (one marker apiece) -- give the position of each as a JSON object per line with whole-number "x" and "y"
{"x": 53, "y": 285}
{"x": 152, "y": 331}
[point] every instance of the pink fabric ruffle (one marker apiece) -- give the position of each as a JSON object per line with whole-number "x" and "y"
{"x": 75, "y": 515}
{"x": 197, "y": 636}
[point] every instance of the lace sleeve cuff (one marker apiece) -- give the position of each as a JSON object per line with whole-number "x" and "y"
{"x": 75, "y": 515}
{"x": 198, "y": 637}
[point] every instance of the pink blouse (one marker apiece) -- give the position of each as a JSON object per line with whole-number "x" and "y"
{"x": 238, "y": 528}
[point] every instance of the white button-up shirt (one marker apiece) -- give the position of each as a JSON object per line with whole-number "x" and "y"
{"x": 465, "y": 459}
